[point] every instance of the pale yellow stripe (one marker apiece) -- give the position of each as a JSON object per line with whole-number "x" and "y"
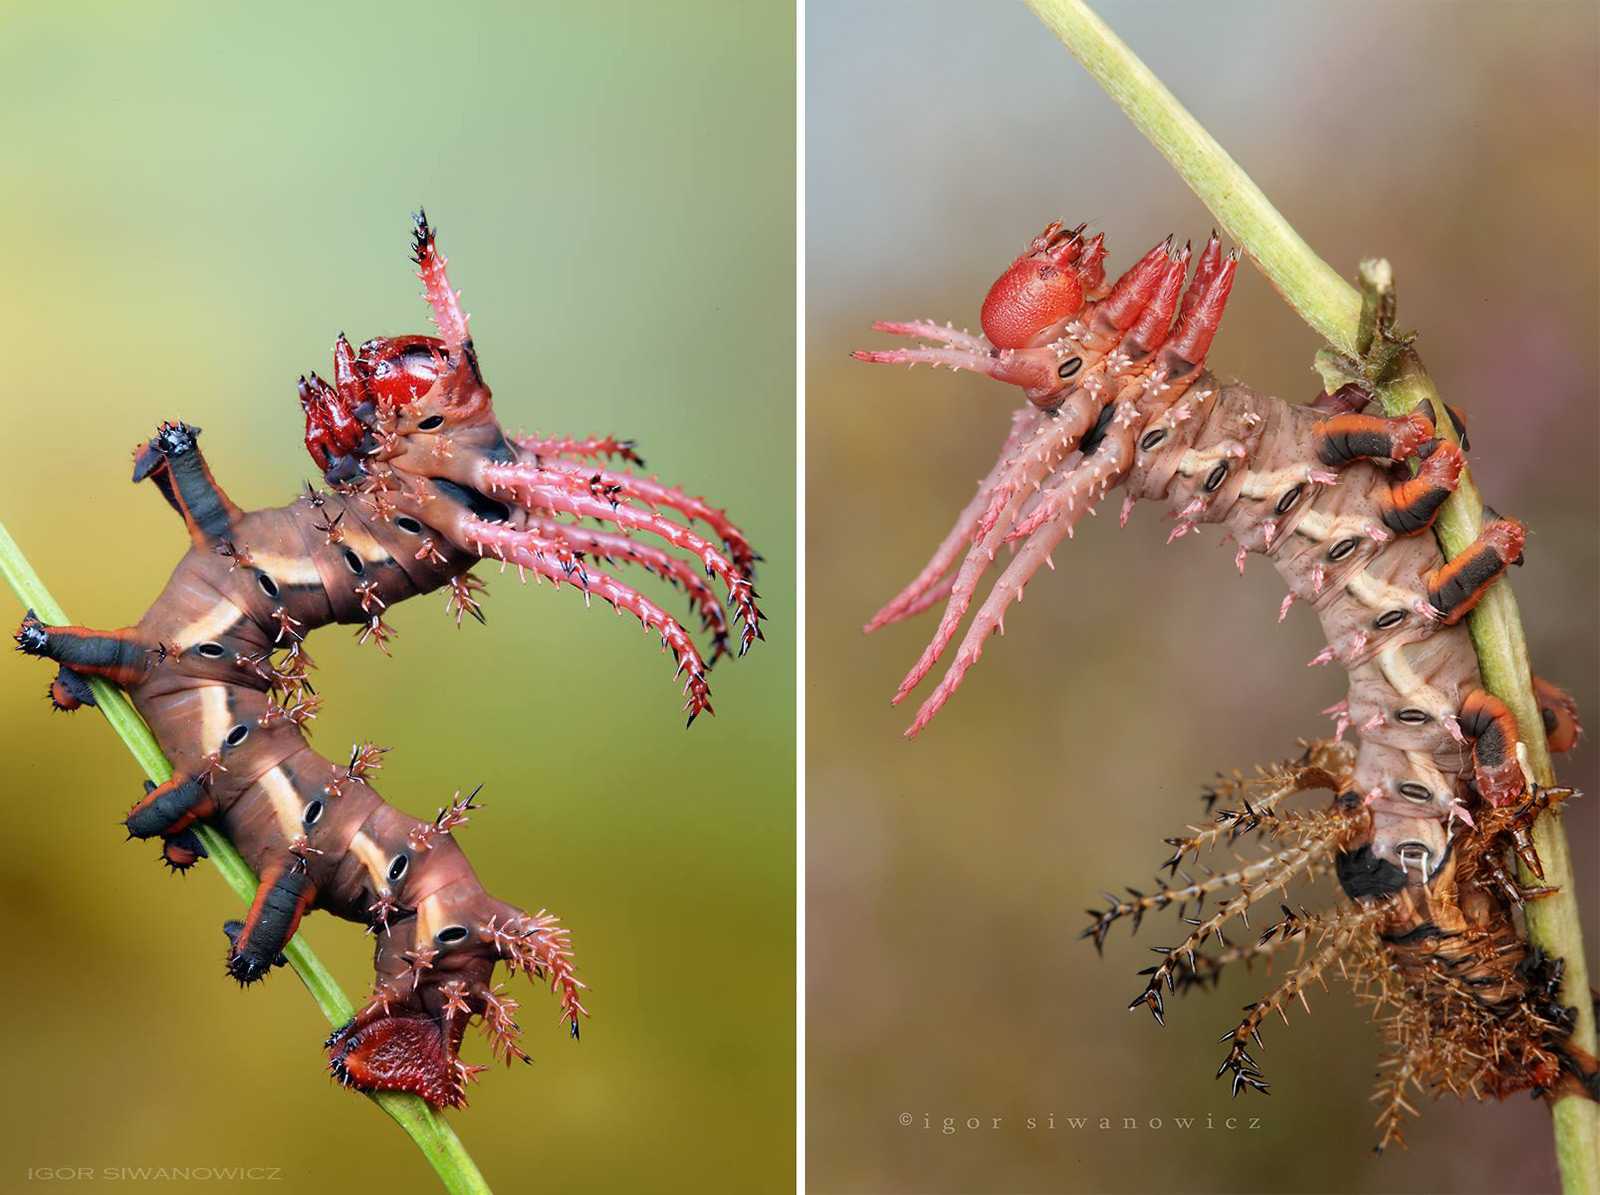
{"x": 430, "y": 918}
{"x": 286, "y": 570}
{"x": 210, "y": 625}
{"x": 1324, "y": 529}
{"x": 285, "y": 801}
{"x": 1273, "y": 484}
{"x": 1422, "y": 767}
{"x": 362, "y": 543}
{"x": 1379, "y": 595}
{"x": 1404, "y": 680}
{"x": 214, "y": 720}
{"x": 373, "y": 859}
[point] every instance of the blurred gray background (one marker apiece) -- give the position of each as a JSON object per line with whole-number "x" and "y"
{"x": 947, "y": 876}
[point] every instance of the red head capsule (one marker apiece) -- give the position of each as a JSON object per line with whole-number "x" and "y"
{"x": 1041, "y": 290}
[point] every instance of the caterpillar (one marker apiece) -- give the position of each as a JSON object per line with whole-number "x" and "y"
{"x": 424, "y": 484}
{"x": 1432, "y": 799}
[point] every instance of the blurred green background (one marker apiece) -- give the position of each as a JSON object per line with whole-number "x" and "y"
{"x": 946, "y": 877}
{"x": 199, "y": 197}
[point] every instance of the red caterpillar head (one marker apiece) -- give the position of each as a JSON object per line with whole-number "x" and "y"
{"x": 409, "y": 423}
{"x": 397, "y": 386}
{"x": 1045, "y": 287}
{"x": 1100, "y": 381}
{"x": 1053, "y": 327}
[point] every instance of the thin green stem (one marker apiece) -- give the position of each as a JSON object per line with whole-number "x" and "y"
{"x": 1335, "y": 310}
{"x": 433, "y": 1136}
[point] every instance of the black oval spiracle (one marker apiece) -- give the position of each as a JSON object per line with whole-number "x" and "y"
{"x": 1151, "y": 439}
{"x": 237, "y": 735}
{"x": 1412, "y": 716}
{"x": 268, "y": 585}
{"x": 1389, "y": 618}
{"x": 1420, "y": 793}
{"x": 354, "y": 562}
{"x": 409, "y": 525}
{"x": 1290, "y": 497}
{"x": 1216, "y": 477}
{"x": 211, "y": 651}
{"x": 1342, "y": 549}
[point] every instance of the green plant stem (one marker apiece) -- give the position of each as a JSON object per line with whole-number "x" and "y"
{"x": 1334, "y": 309}
{"x": 433, "y": 1136}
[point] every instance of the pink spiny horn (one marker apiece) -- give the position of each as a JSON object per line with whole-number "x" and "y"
{"x": 1029, "y": 368}
{"x": 1032, "y": 463}
{"x": 562, "y": 493}
{"x": 1075, "y": 492}
{"x": 1091, "y": 267}
{"x": 1142, "y": 364}
{"x": 653, "y": 493}
{"x": 611, "y": 546}
{"x": 929, "y": 330}
{"x": 1151, "y": 328}
{"x": 1083, "y": 485}
{"x": 444, "y": 302}
{"x": 1137, "y": 286}
{"x": 940, "y": 591}
{"x": 1040, "y": 455}
{"x": 911, "y": 599}
{"x": 587, "y": 447}
{"x": 553, "y": 559}
{"x": 1202, "y": 311}
{"x": 1204, "y": 271}
{"x": 539, "y": 947}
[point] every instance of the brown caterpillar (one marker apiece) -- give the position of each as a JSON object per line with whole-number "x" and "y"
{"x": 1433, "y": 797}
{"x": 425, "y": 482}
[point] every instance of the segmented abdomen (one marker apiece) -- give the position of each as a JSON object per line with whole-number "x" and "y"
{"x": 1249, "y": 462}
{"x": 228, "y": 695}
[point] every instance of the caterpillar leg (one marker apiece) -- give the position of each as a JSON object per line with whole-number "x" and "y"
{"x": 1487, "y": 721}
{"x": 69, "y": 690}
{"x": 1460, "y": 585}
{"x": 171, "y": 808}
{"x": 1560, "y": 714}
{"x": 1345, "y": 439}
{"x": 172, "y": 459}
{"x": 286, "y": 892}
{"x": 1411, "y": 505}
{"x": 118, "y": 656}
{"x": 183, "y": 850}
